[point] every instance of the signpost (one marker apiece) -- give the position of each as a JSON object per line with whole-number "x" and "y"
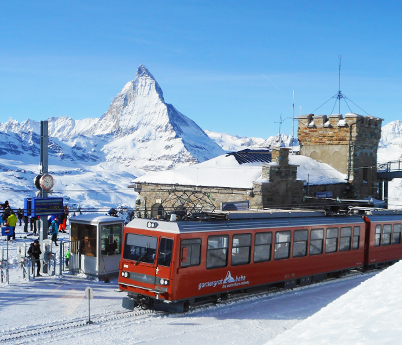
{"x": 89, "y": 293}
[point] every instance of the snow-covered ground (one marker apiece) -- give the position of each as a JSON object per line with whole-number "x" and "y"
{"x": 361, "y": 309}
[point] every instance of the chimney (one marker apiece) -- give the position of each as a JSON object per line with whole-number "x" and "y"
{"x": 280, "y": 155}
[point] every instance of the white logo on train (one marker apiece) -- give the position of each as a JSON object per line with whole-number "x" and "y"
{"x": 227, "y": 282}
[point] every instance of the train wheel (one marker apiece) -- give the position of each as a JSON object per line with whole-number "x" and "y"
{"x": 144, "y": 302}
{"x": 186, "y": 306}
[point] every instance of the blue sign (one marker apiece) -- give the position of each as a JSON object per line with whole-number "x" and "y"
{"x": 235, "y": 206}
{"x": 7, "y": 231}
{"x": 324, "y": 194}
{"x": 46, "y": 207}
{"x": 27, "y": 207}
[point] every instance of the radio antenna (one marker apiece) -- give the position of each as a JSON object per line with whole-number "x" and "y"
{"x": 293, "y": 120}
{"x": 339, "y": 92}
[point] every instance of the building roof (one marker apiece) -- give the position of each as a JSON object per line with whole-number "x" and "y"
{"x": 226, "y": 171}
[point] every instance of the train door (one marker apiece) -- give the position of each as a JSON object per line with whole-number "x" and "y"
{"x": 367, "y": 240}
{"x": 164, "y": 262}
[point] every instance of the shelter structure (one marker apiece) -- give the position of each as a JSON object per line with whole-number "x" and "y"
{"x": 95, "y": 247}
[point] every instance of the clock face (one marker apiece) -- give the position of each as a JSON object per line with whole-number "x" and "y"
{"x": 47, "y": 182}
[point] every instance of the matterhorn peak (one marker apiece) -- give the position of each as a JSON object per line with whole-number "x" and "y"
{"x": 142, "y": 71}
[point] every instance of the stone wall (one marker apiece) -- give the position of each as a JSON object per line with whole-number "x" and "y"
{"x": 348, "y": 144}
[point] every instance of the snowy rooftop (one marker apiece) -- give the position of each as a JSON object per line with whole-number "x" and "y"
{"x": 95, "y": 218}
{"x": 226, "y": 171}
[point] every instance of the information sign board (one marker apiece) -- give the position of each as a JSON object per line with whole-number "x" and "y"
{"x": 46, "y": 206}
{"x": 27, "y": 207}
{"x": 324, "y": 194}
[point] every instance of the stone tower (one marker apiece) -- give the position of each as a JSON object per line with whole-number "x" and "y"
{"x": 348, "y": 144}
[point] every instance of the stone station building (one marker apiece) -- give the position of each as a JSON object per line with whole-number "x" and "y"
{"x": 344, "y": 148}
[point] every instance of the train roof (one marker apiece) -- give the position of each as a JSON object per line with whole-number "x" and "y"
{"x": 239, "y": 224}
{"x": 92, "y": 218}
{"x": 263, "y": 219}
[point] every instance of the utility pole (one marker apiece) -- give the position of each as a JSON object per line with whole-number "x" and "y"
{"x": 44, "y": 165}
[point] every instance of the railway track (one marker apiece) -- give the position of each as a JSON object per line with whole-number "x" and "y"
{"x": 30, "y": 331}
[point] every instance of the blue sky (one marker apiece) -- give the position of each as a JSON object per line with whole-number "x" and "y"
{"x": 231, "y": 66}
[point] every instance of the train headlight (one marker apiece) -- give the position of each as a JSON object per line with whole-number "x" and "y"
{"x": 124, "y": 274}
{"x": 163, "y": 281}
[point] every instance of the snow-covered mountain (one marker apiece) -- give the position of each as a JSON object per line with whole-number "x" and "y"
{"x": 232, "y": 143}
{"x": 140, "y": 132}
{"x": 94, "y": 159}
{"x": 390, "y": 147}
{"x": 139, "y": 129}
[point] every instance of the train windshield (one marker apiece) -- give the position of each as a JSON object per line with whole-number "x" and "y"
{"x": 140, "y": 248}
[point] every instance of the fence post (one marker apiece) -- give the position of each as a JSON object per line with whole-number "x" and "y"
{"x": 61, "y": 263}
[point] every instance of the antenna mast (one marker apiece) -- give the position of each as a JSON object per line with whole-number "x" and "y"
{"x": 280, "y": 124}
{"x": 293, "y": 121}
{"x": 339, "y": 92}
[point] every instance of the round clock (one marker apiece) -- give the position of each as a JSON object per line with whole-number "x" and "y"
{"x": 47, "y": 182}
{"x": 37, "y": 182}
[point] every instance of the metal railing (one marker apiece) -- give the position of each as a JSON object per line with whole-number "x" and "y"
{"x": 390, "y": 166}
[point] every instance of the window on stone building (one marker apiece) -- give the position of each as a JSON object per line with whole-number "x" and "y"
{"x": 365, "y": 174}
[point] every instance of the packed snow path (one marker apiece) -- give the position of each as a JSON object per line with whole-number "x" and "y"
{"x": 54, "y": 310}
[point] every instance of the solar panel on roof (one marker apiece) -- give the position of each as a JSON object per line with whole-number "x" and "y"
{"x": 252, "y": 156}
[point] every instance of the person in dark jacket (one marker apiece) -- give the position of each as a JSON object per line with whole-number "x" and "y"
{"x": 7, "y": 211}
{"x": 20, "y": 214}
{"x": 34, "y": 252}
{"x": 33, "y": 225}
{"x": 26, "y": 221}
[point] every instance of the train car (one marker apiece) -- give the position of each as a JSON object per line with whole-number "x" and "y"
{"x": 171, "y": 265}
{"x": 383, "y": 233}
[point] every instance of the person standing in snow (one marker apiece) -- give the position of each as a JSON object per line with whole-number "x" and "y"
{"x": 26, "y": 221}
{"x": 54, "y": 229}
{"x": 63, "y": 219}
{"x": 34, "y": 252}
{"x": 7, "y": 211}
{"x": 33, "y": 225}
{"x": 12, "y": 222}
{"x": 20, "y": 214}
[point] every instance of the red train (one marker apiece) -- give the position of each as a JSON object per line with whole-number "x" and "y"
{"x": 171, "y": 265}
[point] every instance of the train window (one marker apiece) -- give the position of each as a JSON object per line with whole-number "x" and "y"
{"x": 193, "y": 255}
{"x": 165, "y": 252}
{"x": 282, "y": 245}
{"x": 217, "y": 252}
{"x": 386, "y": 234}
{"x": 346, "y": 239}
{"x": 300, "y": 238}
{"x": 356, "y": 237}
{"x": 140, "y": 248}
{"x": 262, "y": 246}
{"x": 316, "y": 241}
{"x": 331, "y": 241}
{"x": 377, "y": 235}
{"x": 396, "y": 235}
{"x": 241, "y": 249}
